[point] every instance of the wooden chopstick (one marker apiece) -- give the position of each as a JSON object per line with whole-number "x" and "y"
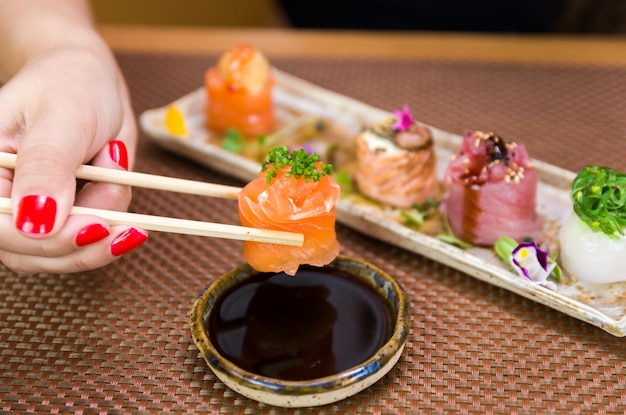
{"x": 161, "y": 223}
{"x": 182, "y": 226}
{"x": 148, "y": 181}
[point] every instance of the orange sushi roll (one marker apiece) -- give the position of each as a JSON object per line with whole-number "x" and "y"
{"x": 239, "y": 93}
{"x": 293, "y": 192}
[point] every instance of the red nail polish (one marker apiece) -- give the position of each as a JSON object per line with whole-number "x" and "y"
{"x": 127, "y": 241}
{"x": 117, "y": 151}
{"x": 36, "y": 214}
{"x": 90, "y": 234}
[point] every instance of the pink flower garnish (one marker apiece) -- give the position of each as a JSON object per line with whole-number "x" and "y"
{"x": 404, "y": 119}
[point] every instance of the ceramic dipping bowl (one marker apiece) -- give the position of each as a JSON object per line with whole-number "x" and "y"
{"x": 306, "y": 340}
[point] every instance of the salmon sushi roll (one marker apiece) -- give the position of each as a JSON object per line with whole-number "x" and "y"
{"x": 294, "y": 192}
{"x": 239, "y": 93}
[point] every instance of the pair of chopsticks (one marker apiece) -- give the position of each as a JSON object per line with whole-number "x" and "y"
{"x": 160, "y": 223}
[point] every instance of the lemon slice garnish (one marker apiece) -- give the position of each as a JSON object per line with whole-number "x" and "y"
{"x": 175, "y": 121}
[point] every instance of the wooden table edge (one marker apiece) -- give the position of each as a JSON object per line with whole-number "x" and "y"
{"x": 282, "y": 42}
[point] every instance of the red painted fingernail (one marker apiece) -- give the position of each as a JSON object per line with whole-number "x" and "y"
{"x": 90, "y": 234}
{"x": 127, "y": 241}
{"x": 117, "y": 150}
{"x": 36, "y": 214}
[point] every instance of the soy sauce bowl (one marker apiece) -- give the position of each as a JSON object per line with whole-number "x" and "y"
{"x": 306, "y": 340}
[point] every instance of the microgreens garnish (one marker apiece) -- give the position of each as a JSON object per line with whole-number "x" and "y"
{"x": 344, "y": 181}
{"x": 413, "y": 216}
{"x": 599, "y": 196}
{"x": 450, "y": 238}
{"x": 298, "y": 163}
{"x": 261, "y": 139}
{"x": 404, "y": 119}
{"x": 419, "y": 213}
{"x": 233, "y": 141}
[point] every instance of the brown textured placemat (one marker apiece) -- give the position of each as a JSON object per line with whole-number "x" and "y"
{"x": 116, "y": 340}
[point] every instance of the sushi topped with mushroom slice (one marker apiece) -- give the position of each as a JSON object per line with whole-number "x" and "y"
{"x": 396, "y": 162}
{"x": 491, "y": 191}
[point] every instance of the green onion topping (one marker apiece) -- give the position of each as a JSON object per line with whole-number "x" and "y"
{"x": 298, "y": 164}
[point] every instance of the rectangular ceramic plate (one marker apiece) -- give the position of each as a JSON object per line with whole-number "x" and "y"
{"x": 302, "y": 108}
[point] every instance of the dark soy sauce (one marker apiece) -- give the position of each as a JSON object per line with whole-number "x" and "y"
{"x": 319, "y": 322}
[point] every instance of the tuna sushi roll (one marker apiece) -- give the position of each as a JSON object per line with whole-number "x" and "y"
{"x": 491, "y": 191}
{"x": 396, "y": 162}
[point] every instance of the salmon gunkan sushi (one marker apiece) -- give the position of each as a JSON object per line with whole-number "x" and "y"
{"x": 294, "y": 192}
{"x": 492, "y": 188}
{"x": 239, "y": 93}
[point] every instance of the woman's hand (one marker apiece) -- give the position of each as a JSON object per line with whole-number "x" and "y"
{"x": 64, "y": 107}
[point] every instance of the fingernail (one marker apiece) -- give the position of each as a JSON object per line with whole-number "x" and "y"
{"x": 127, "y": 241}
{"x": 90, "y": 234}
{"x": 117, "y": 150}
{"x": 36, "y": 214}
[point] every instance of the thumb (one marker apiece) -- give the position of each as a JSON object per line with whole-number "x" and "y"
{"x": 44, "y": 184}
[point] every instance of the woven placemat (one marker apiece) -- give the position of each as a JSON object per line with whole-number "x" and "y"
{"x": 117, "y": 340}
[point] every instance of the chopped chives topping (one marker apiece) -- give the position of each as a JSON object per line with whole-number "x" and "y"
{"x": 298, "y": 163}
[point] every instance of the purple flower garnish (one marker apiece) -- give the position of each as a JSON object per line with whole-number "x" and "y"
{"x": 532, "y": 263}
{"x": 404, "y": 119}
{"x": 308, "y": 148}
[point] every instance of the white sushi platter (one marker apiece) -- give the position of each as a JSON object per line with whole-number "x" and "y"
{"x": 301, "y": 107}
